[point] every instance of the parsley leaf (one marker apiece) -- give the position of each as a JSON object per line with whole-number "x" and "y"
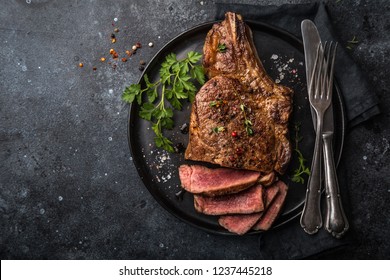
{"x": 177, "y": 81}
{"x": 131, "y": 92}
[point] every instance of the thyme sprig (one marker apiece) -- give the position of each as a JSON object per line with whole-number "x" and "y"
{"x": 302, "y": 169}
{"x": 247, "y": 122}
{"x": 352, "y": 42}
{"x": 222, "y": 48}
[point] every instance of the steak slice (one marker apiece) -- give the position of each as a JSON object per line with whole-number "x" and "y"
{"x": 241, "y": 224}
{"x": 274, "y": 210}
{"x": 245, "y": 202}
{"x": 239, "y": 118}
{"x": 198, "y": 179}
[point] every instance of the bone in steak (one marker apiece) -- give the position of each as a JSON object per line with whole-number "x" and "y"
{"x": 273, "y": 211}
{"x": 245, "y": 202}
{"x": 241, "y": 224}
{"x": 240, "y": 116}
{"x": 198, "y": 179}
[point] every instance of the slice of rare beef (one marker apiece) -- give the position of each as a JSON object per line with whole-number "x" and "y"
{"x": 274, "y": 210}
{"x": 241, "y": 224}
{"x": 198, "y": 179}
{"x": 245, "y": 202}
{"x": 239, "y": 118}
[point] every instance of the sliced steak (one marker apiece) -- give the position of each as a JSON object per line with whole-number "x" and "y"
{"x": 198, "y": 179}
{"x": 241, "y": 224}
{"x": 274, "y": 210}
{"x": 245, "y": 202}
{"x": 239, "y": 118}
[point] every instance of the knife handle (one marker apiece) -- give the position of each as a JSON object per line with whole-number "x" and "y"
{"x": 336, "y": 222}
{"x": 311, "y": 219}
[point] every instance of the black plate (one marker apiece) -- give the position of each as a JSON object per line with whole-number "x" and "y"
{"x": 283, "y": 59}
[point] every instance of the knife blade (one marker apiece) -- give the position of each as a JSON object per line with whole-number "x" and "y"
{"x": 335, "y": 219}
{"x": 311, "y": 39}
{"x": 311, "y": 218}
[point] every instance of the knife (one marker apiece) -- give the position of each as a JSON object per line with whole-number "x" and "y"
{"x": 335, "y": 220}
{"x": 311, "y": 219}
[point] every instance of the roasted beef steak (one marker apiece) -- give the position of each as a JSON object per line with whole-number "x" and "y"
{"x": 245, "y": 202}
{"x": 273, "y": 211}
{"x": 239, "y": 117}
{"x": 241, "y": 224}
{"x": 198, "y": 179}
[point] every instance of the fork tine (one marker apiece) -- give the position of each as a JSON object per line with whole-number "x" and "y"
{"x": 314, "y": 73}
{"x": 330, "y": 84}
{"x": 324, "y": 70}
{"x": 319, "y": 72}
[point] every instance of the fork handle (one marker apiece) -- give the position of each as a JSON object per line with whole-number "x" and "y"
{"x": 335, "y": 220}
{"x": 311, "y": 219}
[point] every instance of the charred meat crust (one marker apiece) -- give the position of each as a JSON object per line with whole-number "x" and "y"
{"x": 239, "y": 97}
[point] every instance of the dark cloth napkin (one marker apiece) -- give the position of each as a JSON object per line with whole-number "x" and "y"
{"x": 361, "y": 103}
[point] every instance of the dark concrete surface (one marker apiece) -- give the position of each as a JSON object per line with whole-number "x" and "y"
{"x": 68, "y": 186}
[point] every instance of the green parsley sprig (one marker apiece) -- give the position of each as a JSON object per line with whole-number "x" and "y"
{"x": 176, "y": 83}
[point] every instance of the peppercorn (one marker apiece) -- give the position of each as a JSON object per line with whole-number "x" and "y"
{"x": 113, "y": 41}
{"x": 124, "y": 59}
{"x": 112, "y": 51}
{"x": 112, "y": 36}
{"x": 116, "y": 30}
{"x": 141, "y": 68}
{"x": 234, "y": 134}
{"x": 134, "y": 47}
{"x": 129, "y": 53}
{"x": 102, "y": 59}
{"x": 81, "y": 65}
{"x": 232, "y": 158}
{"x": 94, "y": 68}
{"x": 150, "y": 44}
{"x": 138, "y": 45}
{"x": 142, "y": 62}
{"x": 239, "y": 151}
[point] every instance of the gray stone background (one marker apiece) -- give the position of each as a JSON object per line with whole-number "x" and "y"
{"x": 68, "y": 186}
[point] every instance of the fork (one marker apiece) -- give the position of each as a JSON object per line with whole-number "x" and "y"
{"x": 320, "y": 99}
